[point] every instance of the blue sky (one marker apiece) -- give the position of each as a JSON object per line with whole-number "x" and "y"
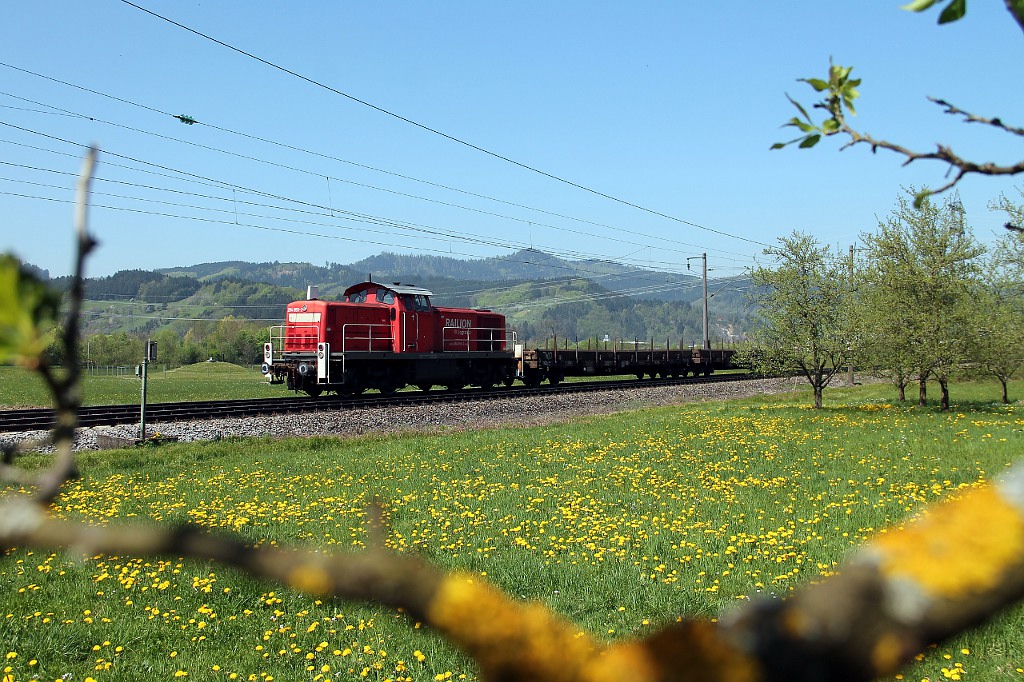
{"x": 670, "y": 106}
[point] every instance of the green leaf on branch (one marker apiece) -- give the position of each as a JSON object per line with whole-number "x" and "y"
{"x": 799, "y": 107}
{"x": 816, "y": 83}
{"x": 1017, "y": 8}
{"x": 804, "y": 127}
{"x": 919, "y": 5}
{"x": 840, "y": 91}
{"x": 810, "y": 141}
{"x": 954, "y": 12}
{"x": 28, "y": 312}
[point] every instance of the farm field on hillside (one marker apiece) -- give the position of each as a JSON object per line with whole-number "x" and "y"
{"x": 620, "y": 523}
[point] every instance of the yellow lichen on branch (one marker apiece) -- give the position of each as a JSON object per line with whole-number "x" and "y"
{"x": 520, "y": 642}
{"x": 509, "y": 640}
{"x": 959, "y": 548}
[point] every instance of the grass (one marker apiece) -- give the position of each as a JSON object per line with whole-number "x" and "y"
{"x": 620, "y": 523}
{"x": 202, "y": 381}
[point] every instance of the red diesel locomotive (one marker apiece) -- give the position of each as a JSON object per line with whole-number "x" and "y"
{"x": 386, "y": 337}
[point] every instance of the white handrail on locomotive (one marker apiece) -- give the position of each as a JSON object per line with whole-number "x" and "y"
{"x": 274, "y": 350}
{"x": 461, "y": 336}
{"x": 345, "y": 338}
{"x": 370, "y": 338}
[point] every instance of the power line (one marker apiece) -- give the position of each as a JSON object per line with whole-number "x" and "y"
{"x": 437, "y": 235}
{"x": 434, "y": 131}
{"x": 576, "y": 270}
{"x": 421, "y": 231}
{"x": 223, "y": 184}
{"x": 345, "y": 161}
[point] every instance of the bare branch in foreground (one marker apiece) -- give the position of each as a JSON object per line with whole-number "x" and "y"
{"x": 972, "y": 118}
{"x": 960, "y": 165}
{"x": 840, "y": 91}
{"x": 956, "y": 565}
{"x": 950, "y": 569}
{"x": 66, "y": 391}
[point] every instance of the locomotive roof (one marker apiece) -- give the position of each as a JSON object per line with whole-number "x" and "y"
{"x": 397, "y": 288}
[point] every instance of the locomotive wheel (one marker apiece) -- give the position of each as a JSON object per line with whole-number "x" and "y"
{"x": 314, "y": 390}
{"x": 554, "y": 380}
{"x": 424, "y": 387}
{"x": 639, "y": 375}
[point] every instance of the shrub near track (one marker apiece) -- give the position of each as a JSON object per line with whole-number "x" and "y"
{"x": 620, "y": 523}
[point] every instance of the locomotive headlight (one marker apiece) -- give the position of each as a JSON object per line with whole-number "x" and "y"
{"x": 304, "y": 369}
{"x": 265, "y": 368}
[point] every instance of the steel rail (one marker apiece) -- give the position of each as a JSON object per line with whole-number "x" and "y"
{"x": 40, "y": 419}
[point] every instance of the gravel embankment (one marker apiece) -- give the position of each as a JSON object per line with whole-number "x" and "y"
{"x": 432, "y": 418}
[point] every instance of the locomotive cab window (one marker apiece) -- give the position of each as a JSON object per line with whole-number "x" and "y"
{"x": 419, "y": 302}
{"x": 357, "y": 297}
{"x": 385, "y": 296}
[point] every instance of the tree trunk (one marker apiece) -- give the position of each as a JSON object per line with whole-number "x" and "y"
{"x": 944, "y": 387}
{"x": 901, "y": 389}
{"x": 1006, "y": 397}
{"x": 922, "y": 391}
{"x": 817, "y": 396}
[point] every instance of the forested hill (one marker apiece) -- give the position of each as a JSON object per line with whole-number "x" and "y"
{"x": 540, "y": 294}
{"x": 524, "y": 265}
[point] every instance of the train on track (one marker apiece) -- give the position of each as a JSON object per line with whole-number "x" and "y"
{"x": 389, "y": 336}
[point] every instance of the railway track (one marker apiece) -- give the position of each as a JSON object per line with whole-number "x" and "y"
{"x": 14, "y": 421}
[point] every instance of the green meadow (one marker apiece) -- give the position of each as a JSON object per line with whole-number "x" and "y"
{"x": 202, "y": 381}
{"x": 621, "y": 524}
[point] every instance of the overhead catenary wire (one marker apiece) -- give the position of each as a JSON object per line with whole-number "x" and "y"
{"x": 98, "y": 206}
{"x": 437, "y": 132}
{"x": 192, "y": 177}
{"x": 330, "y": 209}
{"x": 185, "y": 175}
{"x": 354, "y": 183}
{"x": 233, "y": 211}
